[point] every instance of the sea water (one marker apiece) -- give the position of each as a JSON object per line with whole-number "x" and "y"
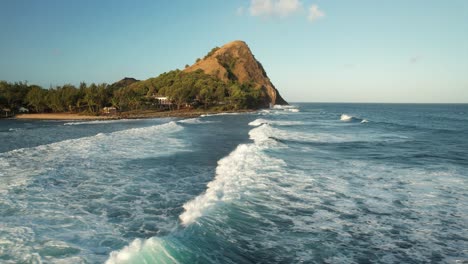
{"x": 313, "y": 183}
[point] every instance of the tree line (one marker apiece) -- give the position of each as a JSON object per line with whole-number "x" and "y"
{"x": 185, "y": 89}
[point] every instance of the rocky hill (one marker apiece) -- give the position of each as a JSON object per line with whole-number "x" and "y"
{"x": 235, "y": 62}
{"x": 127, "y": 81}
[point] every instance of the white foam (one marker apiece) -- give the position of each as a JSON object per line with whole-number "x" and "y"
{"x": 258, "y": 122}
{"x": 99, "y": 122}
{"x": 261, "y": 121}
{"x": 239, "y": 169}
{"x": 195, "y": 121}
{"x": 222, "y": 114}
{"x": 346, "y": 118}
{"x": 285, "y": 108}
{"x": 21, "y": 164}
{"x": 266, "y": 133}
{"x": 350, "y": 118}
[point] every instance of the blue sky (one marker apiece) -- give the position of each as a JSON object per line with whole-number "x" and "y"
{"x": 317, "y": 51}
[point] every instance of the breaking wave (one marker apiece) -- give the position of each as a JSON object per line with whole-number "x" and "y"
{"x": 233, "y": 172}
{"x": 350, "y": 118}
{"x": 286, "y": 108}
{"x": 267, "y": 200}
{"x": 99, "y": 122}
{"x": 262, "y": 121}
{"x": 221, "y": 114}
{"x": 195, "y": 121}
{"x": 152, "y": 250}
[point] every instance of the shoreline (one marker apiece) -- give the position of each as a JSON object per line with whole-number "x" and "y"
{"x": 125, "y": 115}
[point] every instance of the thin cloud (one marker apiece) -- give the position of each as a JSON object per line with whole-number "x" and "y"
{"x": 280, "y": 8}
{"x": 315, "y": 13}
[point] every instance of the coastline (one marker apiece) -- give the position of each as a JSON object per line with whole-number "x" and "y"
{"x": 125, "y": 115}
{"x": 59, "y": 116}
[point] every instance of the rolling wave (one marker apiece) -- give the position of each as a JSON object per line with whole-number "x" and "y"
{"x": 262, "y": 121}
{"x": 99, "y": 122}
{"x": 152, "y": 250}
{"x": 350, "y": 118}
{"x": 195, "y": 121}
{"x": 235, "y": 173}
{"x": 232, "y": 173}
{"x": 221, "y": 114}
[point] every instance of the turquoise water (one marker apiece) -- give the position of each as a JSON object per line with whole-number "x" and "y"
{"x": 314, "y": 183}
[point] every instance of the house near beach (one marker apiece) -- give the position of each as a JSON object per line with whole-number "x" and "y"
{"x": 23, "y": 110}
{"x": 109, "y": 110}
{"x": 163, "y": 100}
{"x": 6, "y": 112}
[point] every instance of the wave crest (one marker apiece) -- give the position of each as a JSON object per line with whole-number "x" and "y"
{"x": 286, "y": 108}
{"x": 261, "y": 121}
{"x": 237, "y": 170}
{"x": 194, "y": 121}
{"x": 99, "y": 122}
{"x": 152, "y": 250}
{"x": 350, "y": 118}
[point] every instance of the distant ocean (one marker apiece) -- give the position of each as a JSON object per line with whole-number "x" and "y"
{"x": 312, "y": 183}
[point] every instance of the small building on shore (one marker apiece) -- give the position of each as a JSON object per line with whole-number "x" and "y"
{"x": 163, "y": 100}
{"x": 109, "y": 110}
{"x": 23, "y": 110}
{"x": 6, "y": 112}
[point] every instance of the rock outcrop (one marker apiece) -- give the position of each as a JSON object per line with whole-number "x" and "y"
{"x": 235, "y": 62}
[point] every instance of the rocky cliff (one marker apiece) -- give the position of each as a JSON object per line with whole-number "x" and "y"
{"x": 235, "y": 62}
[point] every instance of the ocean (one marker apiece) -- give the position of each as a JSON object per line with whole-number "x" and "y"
{"x": 310, "y": 183}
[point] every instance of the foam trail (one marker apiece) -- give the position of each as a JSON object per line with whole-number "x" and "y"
{"x": 261, "y": 121}
{"x": 221, "y": 114}
{"x": 286, "y": 108}
{"x": 194, "y": 121}
{"x": 234, "y": 175}
{"x": 234, "y": 172}
{"x": 19, "y": 165}
{"x": 99, "y": 122}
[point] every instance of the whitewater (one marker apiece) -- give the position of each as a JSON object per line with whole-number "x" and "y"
{"x": 309, "y": 183}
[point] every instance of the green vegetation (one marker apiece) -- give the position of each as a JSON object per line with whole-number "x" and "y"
{"x": 212, "y": 51}
{"x": 67, "y": 98}
{"x": 229, "y": 63}
{"x": 185, "y": 90}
